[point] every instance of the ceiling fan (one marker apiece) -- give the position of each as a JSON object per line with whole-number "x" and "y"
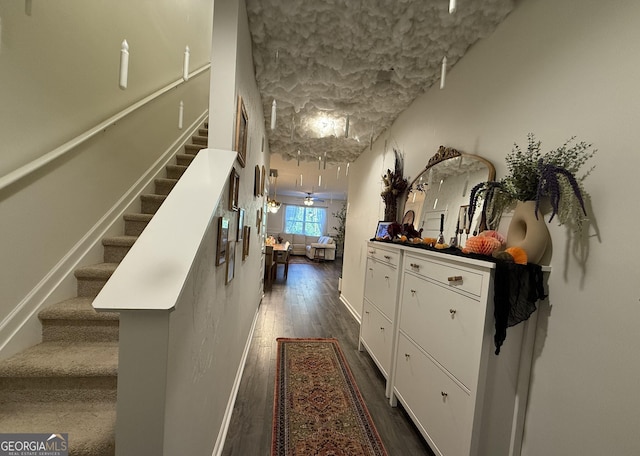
{"x": 308, "y": 200}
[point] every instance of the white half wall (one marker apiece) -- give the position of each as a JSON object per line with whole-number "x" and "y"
{"x": 556, "y": 68}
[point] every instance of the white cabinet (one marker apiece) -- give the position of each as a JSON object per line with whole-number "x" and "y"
{"x": 439, "y": 356}
{"x": 377, "y": 329}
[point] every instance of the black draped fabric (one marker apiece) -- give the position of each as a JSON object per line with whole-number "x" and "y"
{"x": 517, "y": 288}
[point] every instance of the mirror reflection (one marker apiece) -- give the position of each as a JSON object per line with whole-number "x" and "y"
{"x": 442, "y": 189}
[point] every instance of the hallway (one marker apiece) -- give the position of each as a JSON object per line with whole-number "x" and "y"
{"x": 308, "y": 305}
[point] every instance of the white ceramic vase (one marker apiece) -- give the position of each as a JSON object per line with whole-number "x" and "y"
{"x": 528, "y": 232}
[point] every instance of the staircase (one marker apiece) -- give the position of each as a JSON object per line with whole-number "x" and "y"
{"x": 67, "y": 383}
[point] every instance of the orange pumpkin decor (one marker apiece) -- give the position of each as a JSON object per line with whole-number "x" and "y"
{"x": 483, "y": 245}
{"x": 518, "y": 254}
{"x": 429, "y": 241}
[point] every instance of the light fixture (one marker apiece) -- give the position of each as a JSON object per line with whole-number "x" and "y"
{"x": 273, "y": 114}
{"x": 273, "y": 205}
{"x": 308, "y": 201}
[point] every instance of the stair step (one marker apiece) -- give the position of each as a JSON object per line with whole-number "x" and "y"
{"x": 61, "y": 371}
{"x": 175, "y": 171}
{"x": 184, "y": 159}
{"x": 203, "y": 132}
{"x": 193, "y": 149}
{"x": 90, "y": 425}
{"x": 115, "y": 248}
{"x": 197, "y": 139}
{"x": 151, "y": 203}
{"x": 164, "y": 185}
{"x": 92, "y": 278}
{"x": 75, "y": 319}
{"x": 134, "y": 224}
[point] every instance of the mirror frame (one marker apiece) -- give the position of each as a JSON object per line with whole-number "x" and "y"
{"x": 444, "y": 154}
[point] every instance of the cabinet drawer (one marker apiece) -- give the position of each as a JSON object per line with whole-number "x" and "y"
{"x": 442, "y": 409}
{"x": 377, "y": 333}
{"x": 454, "y": 277}
{"x": 446, "y": 324}
{"x": 381, "y": 286}
{"x": 383, "y": 255}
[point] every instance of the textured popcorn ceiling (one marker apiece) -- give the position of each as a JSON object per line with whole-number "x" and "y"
{"x": 324, "y": 60}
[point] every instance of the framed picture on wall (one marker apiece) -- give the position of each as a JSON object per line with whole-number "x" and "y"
{"x": 257, "y": 183}
{"x": 263, "y": 181}
{"x": 242, "y": 123}
{"x": 231, "y": 261}
{"x": 240, "y": 226}
{"x": 223, "y": 240}
{"x": 245, "y": 243}
{"x": 234, "y": 189}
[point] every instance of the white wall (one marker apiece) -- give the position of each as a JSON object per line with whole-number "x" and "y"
{"x": 556, "y": 68}
{"x": 214, "y": 319}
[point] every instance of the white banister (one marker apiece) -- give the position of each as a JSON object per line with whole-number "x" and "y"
{"x": 151, "y": 275}
{"x": 38, "y": 163}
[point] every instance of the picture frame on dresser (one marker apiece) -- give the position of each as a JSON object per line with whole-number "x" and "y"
{"x": 383, "y": 229}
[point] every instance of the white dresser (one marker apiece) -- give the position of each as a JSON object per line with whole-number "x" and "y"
{"x": 377, "y": 331}
{"x": 464, "y": 399}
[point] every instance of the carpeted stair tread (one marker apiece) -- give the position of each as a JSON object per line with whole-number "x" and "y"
{"x": 175, "y": 171}
{"x": 63, "y": 359}
{"x": 194, "y": 148}
{"x": 121, "y": 241}
{"x": 137, "y": 217}
{"x": 184, "y": 159}
{"x": 197, "y": 139}
{"x": 100, "y": 271}
{"x": 76, "y": 309}
{"x": 90, "y": 425}
{"x": 203, "y": 132}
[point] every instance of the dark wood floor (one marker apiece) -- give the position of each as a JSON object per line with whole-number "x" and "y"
{"x": 308, "y": 305}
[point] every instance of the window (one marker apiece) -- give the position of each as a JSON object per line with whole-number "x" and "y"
{"x": 310, "y": 221}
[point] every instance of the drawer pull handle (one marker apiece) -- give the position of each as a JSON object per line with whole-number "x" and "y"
{"x": 444, "y": 395}
{"x": 387, "y": 257}
{"x": 386, "y": 277}
{"x": 381, "y": 328}
{"x": 452, "y": 312}
{"x": 407, "y": 356}
{"x": 370, "y": 269}
{"x": 367, "y": 312}
{"x": 455, "y": 279}
{"x": 413, "y": 292}
{"x": 415, "y": 266}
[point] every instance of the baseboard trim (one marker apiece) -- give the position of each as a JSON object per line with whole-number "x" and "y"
{"x": 21, "y": 327}
{"x": 226, "y": 419}
{"x": 350, "y": 308}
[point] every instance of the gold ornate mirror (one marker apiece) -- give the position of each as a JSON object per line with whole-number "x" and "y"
{"x": 443, "y": 188}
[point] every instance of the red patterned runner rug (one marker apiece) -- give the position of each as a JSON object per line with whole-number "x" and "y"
{"x": 318, "y": 409}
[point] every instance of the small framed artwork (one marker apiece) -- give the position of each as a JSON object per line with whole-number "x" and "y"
{"x": 257, "y": 183}
{"x": 240, "y": 227}
{"x": 242, "y": 122}
{"x": 231, "y": 261}
{"x": 263, "y": 184}
{"x": 223, "y": 240}
{"x": 258, "y": 218}
{"x": 234, "y": 188}
{"x": 382, "y": 230}
{"x": 245, "y": 242}
{"x": 262, "y": 145}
